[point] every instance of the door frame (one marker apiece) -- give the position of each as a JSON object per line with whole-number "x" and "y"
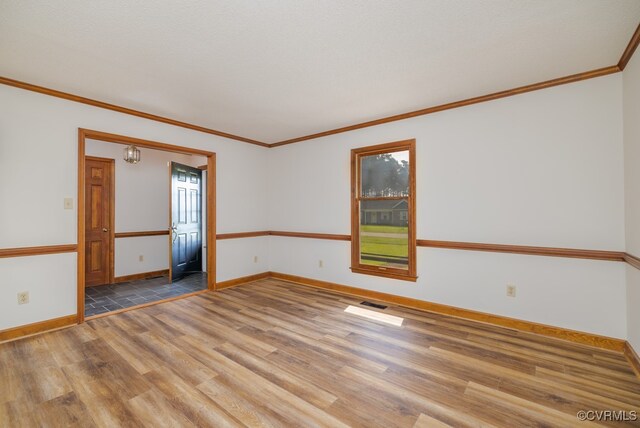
{"x": 112, "y": 211}
{"x": 83, "y": 135}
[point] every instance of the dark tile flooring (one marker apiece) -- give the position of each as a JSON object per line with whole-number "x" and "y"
{"x": 105, "y": 298}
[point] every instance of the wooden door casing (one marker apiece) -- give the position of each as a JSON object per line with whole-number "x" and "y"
{"x": 91, "y": 134}
{"x": 99, "y": 217}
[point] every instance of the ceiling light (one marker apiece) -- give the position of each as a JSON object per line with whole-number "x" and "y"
{"x": 132, "y": 154}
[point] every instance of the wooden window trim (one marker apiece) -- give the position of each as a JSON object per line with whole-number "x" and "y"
{"x": 409, "y": 274}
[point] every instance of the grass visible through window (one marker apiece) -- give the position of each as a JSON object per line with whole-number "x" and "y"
{"x": 383, "y": 229}
{"x": 376, "y": 249}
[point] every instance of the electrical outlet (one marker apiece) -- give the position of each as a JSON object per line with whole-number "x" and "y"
{"x": 255, "y": 259}
{"x": 511, "y": 290}
{"x": 23, "y": 297}
{"x": 140, "y": 258}
{"x": 320, "y": 264}
{"x": 68, "y": 203}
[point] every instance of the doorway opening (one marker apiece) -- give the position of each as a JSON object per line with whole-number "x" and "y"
{"x": 186, "y": 221}
{"x": 112, "y": 277}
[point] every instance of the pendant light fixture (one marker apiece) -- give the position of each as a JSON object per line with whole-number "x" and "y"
{"x": 132, "y": 154}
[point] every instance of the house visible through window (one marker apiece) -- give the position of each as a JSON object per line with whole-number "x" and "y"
{"x": 383, "y": 210}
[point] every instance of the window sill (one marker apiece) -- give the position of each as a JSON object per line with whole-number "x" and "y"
{"x": 386, "y": 274}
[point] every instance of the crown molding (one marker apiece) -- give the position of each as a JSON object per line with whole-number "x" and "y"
{"x": 463, "y": 103}
{"x": 76, "y": 98}
{"x": 620, "y": 66}
{"x": 483, "y": 98}
{"x": 630, "y": 49}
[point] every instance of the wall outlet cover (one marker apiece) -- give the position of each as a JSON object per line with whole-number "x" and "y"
{"x": 23, "y": 297}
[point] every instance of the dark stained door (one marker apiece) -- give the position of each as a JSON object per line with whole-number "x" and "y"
{"x": 186, "y": 220}
{"x": 98, "y": 220}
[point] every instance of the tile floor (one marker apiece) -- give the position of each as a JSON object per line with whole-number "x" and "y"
{"x": 105, "y": 298}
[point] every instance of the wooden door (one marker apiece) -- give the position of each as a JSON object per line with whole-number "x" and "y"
{"x": 186, "y": 220}
{"x": 99, "y": 194}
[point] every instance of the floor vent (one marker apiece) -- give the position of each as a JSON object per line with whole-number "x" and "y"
{"x": 373, "y": 305}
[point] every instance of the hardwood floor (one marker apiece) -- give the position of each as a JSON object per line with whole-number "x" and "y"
{"x": 272, "y": 353}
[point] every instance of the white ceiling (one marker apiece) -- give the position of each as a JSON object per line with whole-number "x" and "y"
{"x": 273, "y": 70}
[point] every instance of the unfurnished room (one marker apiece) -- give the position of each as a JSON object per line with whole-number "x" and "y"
{"x": 329, "y": 213}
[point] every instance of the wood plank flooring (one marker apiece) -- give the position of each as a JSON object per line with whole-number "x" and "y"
{"x": 272, "y": 353}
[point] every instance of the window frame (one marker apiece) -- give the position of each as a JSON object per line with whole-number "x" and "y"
{"x": 408, "y": 274}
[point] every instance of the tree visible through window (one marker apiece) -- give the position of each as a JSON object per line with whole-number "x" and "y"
{"x": 383, "y": 206}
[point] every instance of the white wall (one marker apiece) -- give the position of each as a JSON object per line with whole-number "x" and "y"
{"x": 631, "y": 79}
{"x": 51, "y": 282}
{"x": 543, "y": 168}
{"x": 38, "y": 166}
{"x": 142, "y": 200}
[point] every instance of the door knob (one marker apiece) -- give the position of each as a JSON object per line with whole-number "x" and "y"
{"x": 104, "y": 229}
